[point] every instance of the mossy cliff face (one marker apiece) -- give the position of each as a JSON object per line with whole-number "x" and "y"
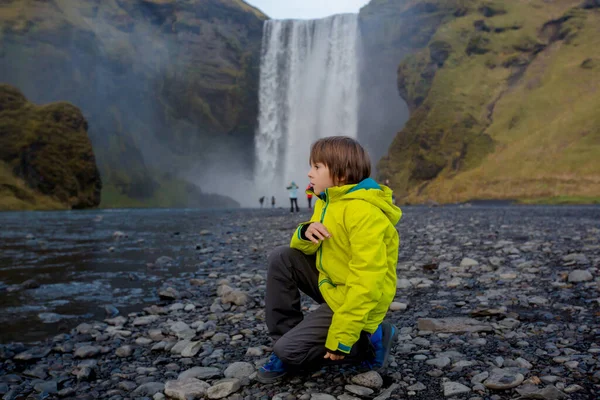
{"x": 503, "y": 99}
{"x": 161, "y": 82}
{"x": 46, "y": 157}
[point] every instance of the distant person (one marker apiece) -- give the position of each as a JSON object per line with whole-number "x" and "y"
{"x": 309, "y": 196}
{"x": 272, "y": 201}
{"x": 293, "y": 189}
{"x": 345, "y": 259}
{"x": 261, "y": 201}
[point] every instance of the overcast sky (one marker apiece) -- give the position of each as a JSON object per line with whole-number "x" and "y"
{"x": 306, "y": 9}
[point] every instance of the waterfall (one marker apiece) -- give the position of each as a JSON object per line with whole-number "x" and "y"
{"x": 308, "y": 90}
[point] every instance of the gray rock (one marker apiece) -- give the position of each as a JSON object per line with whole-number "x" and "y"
{"x": 397, "y": 306}
{"x": 502, "y": 379}
{"x": 417, "y": 387}
{"x": 149, "y": 389}
{"x": 321, "y": 396}
{"x": 169, "y": 294}
{"x": 124, "y": 351}
{"x": 36, "y": 353}
{"x": 453, "y": 325}
{"x": 440, "y": 362}
{"x": 186, "y": 389}
{"x": 200, "y": 373}
{"x": 236, "y": 297}
{"x": 386, "y": 394}
{"x": 468, "y": 262}
{"x": 239, "y": 370}
{"x": 254, "y": 352}
{"x": 191, "y": 349}
{"x": 223, "y": 388}
{"x": 547, "y": 393}
{"x": 46, "y": 387}
{"x": 145, "y": 320}
{"x": 454, "y": 388}
{"x": 164, "y": 261}
{"x": 359, "y": 390}
{"x": 87, "y": 351}
{"x": 370, "y": 379}
{"x": 579, "y": 275}
{"x": 182, "y": 330}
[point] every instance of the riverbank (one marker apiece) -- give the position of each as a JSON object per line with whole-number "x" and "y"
{"x": 522, "y": 282}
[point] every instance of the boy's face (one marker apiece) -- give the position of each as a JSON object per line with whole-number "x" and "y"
{"x": 320, "y": 178}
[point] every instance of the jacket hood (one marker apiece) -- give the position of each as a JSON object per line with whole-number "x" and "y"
{"x": 368, "y": 190}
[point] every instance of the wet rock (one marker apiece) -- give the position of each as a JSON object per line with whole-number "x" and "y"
{"x": 111, "y": 311}
{"x": 164, "y": 261}
{"x": 30, "y": 284}
{"x": 169, "y": 294}
{"x": 35, "y": 353}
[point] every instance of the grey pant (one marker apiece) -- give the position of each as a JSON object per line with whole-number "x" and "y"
{"x": 300, "y": 340}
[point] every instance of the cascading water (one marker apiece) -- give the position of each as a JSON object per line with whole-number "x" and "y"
{"x": 308, "y": 90}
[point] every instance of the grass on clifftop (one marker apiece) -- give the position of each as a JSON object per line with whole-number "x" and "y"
{"x": 544, "y": 122}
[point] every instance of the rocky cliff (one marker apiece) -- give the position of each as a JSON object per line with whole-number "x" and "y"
{"x": 46, "y": 158}
{"x": 503, "y": 98}
{"x": 164, "y": 84}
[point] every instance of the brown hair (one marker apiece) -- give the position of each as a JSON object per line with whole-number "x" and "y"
{"x": 347, "y": 160}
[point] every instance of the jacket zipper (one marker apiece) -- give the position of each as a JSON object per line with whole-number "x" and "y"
{"x": 321, "y": 245}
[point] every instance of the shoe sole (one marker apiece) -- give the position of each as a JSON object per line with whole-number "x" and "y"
{"x": 267, "y": 381}
{"x": 390, "y": 333}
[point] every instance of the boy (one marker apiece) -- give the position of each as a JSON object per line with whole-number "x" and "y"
{"x": 345, "y": 258}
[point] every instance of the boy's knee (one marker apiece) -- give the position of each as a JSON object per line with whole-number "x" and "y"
{"x": 280, "y": 254}
{"x": 284, "y": 350}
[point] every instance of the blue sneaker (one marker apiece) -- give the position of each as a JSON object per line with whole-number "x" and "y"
{"x": 382, "y": 340}
{"x": 272, "y": 371}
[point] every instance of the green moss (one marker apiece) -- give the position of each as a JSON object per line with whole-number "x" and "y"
{"x": 48, "y": 148}
{"x": 526, "y": 130}
{"x": 561, "y": 200}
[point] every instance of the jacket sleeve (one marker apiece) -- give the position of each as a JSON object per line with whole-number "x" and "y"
{"x": 366, "y": 226}
{"x": 299, "y": 242}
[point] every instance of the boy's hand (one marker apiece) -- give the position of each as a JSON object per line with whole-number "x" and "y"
{"x": 316, "y": 232}
{"x": 334, "y": 357}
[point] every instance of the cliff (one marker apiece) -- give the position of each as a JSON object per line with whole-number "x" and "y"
{"x": 164, "y": 84}
{"x": 46, "y": 158}
{"x": 502, "y": 98}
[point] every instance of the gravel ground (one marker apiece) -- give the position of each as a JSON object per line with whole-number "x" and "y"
{"x": 492, "y": 303}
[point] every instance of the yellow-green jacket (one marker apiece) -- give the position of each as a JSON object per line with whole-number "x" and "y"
{"x": 357, "y": 264}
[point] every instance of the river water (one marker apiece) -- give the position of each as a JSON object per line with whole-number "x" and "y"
{"x": 85, "y": 260}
